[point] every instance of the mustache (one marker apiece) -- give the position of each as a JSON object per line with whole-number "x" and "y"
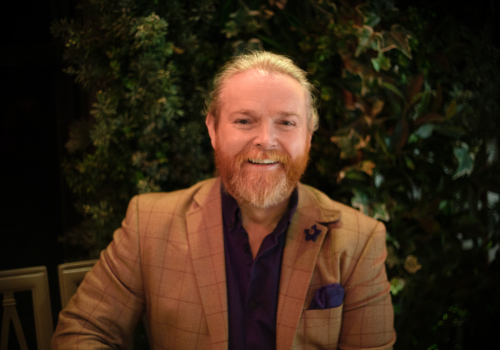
{"x": 261, "y": 155}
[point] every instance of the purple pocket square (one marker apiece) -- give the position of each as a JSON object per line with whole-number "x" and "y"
{"x": 327, "y": 297}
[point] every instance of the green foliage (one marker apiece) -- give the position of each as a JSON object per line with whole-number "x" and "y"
{"x": 408, "y": 130}
{"x": 144, "y": 134}
{"x": 412, "y": 151}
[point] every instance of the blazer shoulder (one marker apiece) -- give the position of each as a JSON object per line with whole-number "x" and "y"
{"x": 175, "y": 202}
{"x": 349, "y": 216}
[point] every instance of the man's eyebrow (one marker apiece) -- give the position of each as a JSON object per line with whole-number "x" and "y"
{"x": 251, "y": 113}
{"x": 247, "y": 112}
{"x": 288, "y": 114}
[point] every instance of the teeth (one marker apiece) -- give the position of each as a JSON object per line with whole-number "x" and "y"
{"x": 262, "y": 161}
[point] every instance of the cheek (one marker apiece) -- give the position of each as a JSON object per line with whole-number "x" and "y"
{"x": 231, "y": 142}
{"x": 298, "y": 145}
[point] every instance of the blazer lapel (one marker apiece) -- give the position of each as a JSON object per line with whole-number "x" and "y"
{"x": 206, "y": 243}
{"x": 299, "y": 259}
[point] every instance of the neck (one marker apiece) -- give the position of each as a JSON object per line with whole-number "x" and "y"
{"x": 260, "y": 222}
{"x": 268, "y": 217}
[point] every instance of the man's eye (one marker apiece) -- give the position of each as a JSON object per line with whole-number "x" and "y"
{"x": 242, "y": 121}
{"x": 286, "y": 123}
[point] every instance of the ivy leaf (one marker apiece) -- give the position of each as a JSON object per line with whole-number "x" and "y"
{"x": 354, "y": 175}
{"x": 240, "y": 46}
{"x": 397, "y": 38}
{"x": 370, "y": 18}
{"x": 414, "y": 87}
{"x": 230, "y": 29}
{"x": 425, "y": 99}
{"x": 380, "y": 212}
{"x": 364, "y": 40}
{"x": 409, "y": 163}
{"x": 349, "y": 144}
{"x": 367, "y": 167}
{"x": 465, "y": 161}
{"x": 377, "y": 107}
{"x": 392, "y": 257}
{"x": 255, "y": 44}
{"x": 279, "y": 3}
{"x": 411, "y": 264}
{"x": 425, "y": 131}
{"x": 360, "y": 201}
{"x": 452, "y": 109}
{"x": 401, "y": 134}
{"x": 392, "y": 88}
{"x": 416, "y": 98}
{"x": 381, "y": 62}
{"x": 397, "y": 285}
{"x": 380, "y": 141}
{"x": 429, "y": 118}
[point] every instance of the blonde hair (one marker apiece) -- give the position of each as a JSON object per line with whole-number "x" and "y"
{"x": 266, "y": 62}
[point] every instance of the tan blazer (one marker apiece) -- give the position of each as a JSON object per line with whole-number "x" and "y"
{"x": 167, "y": 261}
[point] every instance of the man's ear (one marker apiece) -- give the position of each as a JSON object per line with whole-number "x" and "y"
{"x": 210, "y": 123}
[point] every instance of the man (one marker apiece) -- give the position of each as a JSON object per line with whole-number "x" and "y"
{"x": 250, "y": 260}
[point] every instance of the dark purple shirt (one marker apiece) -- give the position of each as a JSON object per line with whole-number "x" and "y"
{"x": 252, "y": 285}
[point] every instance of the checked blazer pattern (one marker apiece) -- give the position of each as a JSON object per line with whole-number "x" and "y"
{"x": 167, "y": 262}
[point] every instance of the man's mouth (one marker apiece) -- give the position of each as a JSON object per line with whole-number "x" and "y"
{"x": 262, "y": 161}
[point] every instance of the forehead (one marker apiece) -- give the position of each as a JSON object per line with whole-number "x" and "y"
{"x": 255, "y": 87}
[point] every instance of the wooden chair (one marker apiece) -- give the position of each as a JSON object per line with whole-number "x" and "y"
{"x": 32, "y": 279}
{"x": 70, "y": 276}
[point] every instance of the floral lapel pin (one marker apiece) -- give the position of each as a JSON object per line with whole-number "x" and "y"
{"x": 312, "y": 233}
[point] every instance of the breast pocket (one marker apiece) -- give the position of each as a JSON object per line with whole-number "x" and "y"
{"x": 321, "y": 328}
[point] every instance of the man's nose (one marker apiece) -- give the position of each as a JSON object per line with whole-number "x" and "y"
{"x": 266, "y": 136}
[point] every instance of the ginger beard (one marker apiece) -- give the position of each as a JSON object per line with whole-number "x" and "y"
{"x": 262, "y": 189}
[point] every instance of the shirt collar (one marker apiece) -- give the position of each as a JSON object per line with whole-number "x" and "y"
{"x": 231, "y": 209}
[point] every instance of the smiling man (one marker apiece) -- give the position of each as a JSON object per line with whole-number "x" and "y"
{"x": 249, "y": 260}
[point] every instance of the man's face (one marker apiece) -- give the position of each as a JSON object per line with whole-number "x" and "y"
{"x": 262, "y": 141}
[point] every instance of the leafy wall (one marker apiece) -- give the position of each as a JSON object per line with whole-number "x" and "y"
{"x": 408, "y": 105}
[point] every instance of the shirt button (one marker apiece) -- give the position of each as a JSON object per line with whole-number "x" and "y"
{"x": 231, "y": 225}
{"x": 246, "y": 247}
{"x": 252, "y": 304}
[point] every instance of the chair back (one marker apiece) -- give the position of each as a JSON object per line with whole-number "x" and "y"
{"x": 70, "y": 276}
{"x": 32, "y": 279}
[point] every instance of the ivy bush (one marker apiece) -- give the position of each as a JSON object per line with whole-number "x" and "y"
{"x": 408, "y": 131}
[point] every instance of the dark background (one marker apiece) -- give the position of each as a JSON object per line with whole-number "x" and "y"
{"x": 38, "y": 102}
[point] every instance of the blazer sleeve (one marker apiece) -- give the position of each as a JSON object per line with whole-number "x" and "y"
{"x": 368, "y": 315}
{"x": 110, "y": 301}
